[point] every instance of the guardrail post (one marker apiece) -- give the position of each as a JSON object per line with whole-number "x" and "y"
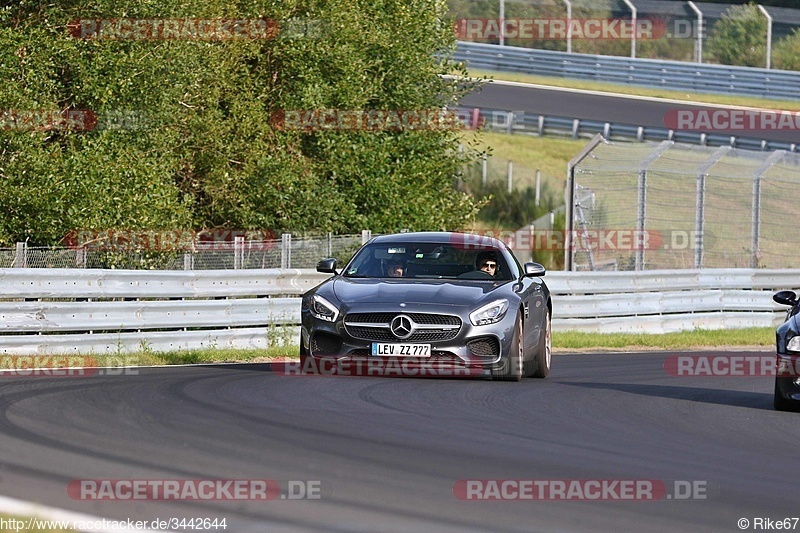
{"x": 576, "y": 124}
{"x": 286, "y": 250}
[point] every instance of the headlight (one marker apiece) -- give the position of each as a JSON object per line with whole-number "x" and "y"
{"x": 323, "y": 309}
{"x": 794, "y": 344}
{"x": 489, "y": 313}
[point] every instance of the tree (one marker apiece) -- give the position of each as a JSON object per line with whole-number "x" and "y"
{"x": 739, "y": 37}
{"x": 786, "y": 52}
{"x": 201, "y": 150}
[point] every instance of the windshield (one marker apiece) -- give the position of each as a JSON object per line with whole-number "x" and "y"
{"x": 428, "y": 261}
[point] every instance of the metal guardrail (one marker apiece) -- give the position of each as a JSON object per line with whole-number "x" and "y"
{"x": 527, "y": 123}
{"x": 76, "y": 311}
{"x": 720, "y": 79}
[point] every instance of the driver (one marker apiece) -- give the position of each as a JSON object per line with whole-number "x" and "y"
{"x": 487, "y": 262}
{"x": 396, "y": 269}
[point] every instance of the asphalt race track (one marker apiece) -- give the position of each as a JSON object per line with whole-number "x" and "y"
{"x": 621, "y": 109}
{"x": 388, "y": 452}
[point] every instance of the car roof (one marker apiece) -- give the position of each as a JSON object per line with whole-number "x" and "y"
{"x": 439, "y": 237}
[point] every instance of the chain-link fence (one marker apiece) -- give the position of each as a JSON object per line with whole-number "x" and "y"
{"x": 290, "y": 251}
{"x": 667, "y": 205}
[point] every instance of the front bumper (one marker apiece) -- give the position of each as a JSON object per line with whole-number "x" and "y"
{"x": 480, "y": 348}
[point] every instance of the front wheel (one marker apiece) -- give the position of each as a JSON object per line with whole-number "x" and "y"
{"x": 544, "y": 353}
{"x": 781, "y": 403}
{"x": 303, "y": 355}
{"x": 511, "y": 367}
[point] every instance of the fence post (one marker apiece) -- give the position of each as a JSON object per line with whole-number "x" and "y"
{"x": 700, "y": 215}
{"x": 365, "y": 235}
{"x": 756, "y": 208}
{"x": 286, "y": 250}
{"x": 510, "y": 176}
{"x": 641, "y": 219}
{"x": 238, "y": 252}
{"x": 538, "y": 187}
{"x": 80, "y": 257}
{"x": 21, "y": 257}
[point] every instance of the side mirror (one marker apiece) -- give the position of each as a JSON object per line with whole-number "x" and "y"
{"x": 785, "y": 298}
{"x": 534, "y": 269}
{"x": 327, "y": 266}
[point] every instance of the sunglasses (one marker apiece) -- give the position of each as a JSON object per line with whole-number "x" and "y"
{"x": 490, "y": 265}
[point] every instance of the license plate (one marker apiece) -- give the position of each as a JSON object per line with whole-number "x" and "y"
{"x": 400, "y": 350}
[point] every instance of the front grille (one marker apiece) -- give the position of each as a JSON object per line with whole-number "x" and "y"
{"x": 419, "y": 318}
{"x": 325, "y": 344}
{"x": 484, "y": 347}
{"x": 378, "y": 329}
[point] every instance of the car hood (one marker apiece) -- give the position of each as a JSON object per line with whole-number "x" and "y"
{"x": 457, "y": 293}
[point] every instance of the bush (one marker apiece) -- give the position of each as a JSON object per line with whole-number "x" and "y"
{"x": 739, "y": 37}
{"x": 204, "y": 152}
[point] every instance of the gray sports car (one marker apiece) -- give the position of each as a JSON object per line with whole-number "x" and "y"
{"x": 429, "y": 303}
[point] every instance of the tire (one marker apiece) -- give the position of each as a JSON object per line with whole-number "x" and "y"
{"x": 781, "y": 403}
{"x": 511, "y": 369}
{"x": 544, "y": 353}
{"x": 303, "y": 355}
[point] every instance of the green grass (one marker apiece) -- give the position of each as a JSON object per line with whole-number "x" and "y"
{"x": 668, "y": 341}
{"x": 186, "y": 357}
{"x": 549, "y": 155}
{"x": 746, "y": 101}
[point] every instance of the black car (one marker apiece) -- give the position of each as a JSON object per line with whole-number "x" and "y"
{"x": 787, "y": 339}
{"x": 430, "y": 300}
